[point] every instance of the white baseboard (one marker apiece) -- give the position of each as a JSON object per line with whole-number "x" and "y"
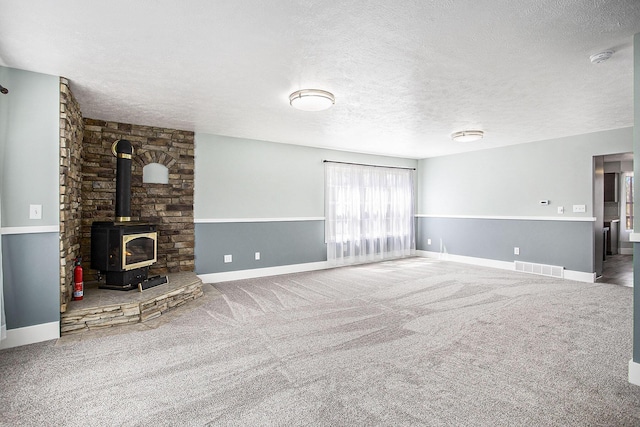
{"x": 634, "y": 372}
{"x": 625, "y": 251}
{"x": 578, "y": 276}
{"x": 263, "y": 272}
{"x": 483, "y": 262}
{"x": 226, "y": 276}
{"x": 31, "y": 334}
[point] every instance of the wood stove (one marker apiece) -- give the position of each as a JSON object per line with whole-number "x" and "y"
{"x": 123, "y": 250}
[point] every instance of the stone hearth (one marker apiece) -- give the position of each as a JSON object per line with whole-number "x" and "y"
{"x": 104, "y": 308}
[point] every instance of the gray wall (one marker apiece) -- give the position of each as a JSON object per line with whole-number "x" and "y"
{"x": 563, "y": 243}
{"x": 244, "y": 178}
{"x": 510, "y": 182}
{"x": 279, "y": 243}
{"x": 29, "y": 147}
{"x": 29, "y": 263}
{"x": 240, "y": 180}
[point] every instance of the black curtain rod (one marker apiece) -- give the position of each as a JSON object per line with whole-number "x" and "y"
{"x": 364, "y": 164}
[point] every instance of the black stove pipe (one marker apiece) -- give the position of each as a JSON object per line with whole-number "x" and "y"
{"x": 123, "y": 151}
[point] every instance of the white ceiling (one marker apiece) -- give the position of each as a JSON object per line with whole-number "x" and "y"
{"x": 405, "y": 73}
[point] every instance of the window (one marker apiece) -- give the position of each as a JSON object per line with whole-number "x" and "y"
{"x": 628, "y": 198}
{"x": 369, "y": 213}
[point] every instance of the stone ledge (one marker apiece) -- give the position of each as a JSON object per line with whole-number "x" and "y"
{"x": 103, "y": 308}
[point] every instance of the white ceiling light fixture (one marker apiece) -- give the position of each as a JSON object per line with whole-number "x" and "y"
{"x": 311, "y": 100}
{"x": 467, "y": 135}
{"x": 599, "y": 57}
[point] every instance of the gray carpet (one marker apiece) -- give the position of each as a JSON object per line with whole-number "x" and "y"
{"x": 408, "y": 342}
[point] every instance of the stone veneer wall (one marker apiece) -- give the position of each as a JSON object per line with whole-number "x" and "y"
{"x": 71, "y": 133}
{"x": 169, "y": 206}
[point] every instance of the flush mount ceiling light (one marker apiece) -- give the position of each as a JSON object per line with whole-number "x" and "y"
{"x": 467, "y": 135}
{"x": 599, "y": 57}
{"x": 311, "y": 99}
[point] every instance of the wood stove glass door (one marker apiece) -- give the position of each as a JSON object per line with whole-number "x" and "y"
{"x": 140, "y": 250}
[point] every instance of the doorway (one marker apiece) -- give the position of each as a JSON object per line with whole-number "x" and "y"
{"x": 616, "y": 210}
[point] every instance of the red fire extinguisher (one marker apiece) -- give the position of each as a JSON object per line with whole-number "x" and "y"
{"x": 78, "y": 284}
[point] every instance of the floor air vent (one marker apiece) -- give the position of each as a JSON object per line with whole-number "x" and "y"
{"x": 542, "y": 269}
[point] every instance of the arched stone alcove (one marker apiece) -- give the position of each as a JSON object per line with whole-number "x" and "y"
{"x": 155, "y": 173}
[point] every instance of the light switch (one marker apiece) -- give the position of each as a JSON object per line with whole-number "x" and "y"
{"x": 579, "y": 208}
{"x": 35, "y": 211}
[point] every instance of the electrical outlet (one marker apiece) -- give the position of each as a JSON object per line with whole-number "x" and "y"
{"x": 516, "y": 251}
{"x": 228, "y": 258}
{"x": 428, "y": 241}
{"x": 257, "y": 256}
{"x": 35, "y": 211}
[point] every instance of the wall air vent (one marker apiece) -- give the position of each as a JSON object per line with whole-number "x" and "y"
{"x": 541, "y": 269}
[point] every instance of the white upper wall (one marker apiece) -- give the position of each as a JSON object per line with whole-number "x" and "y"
{"x": 510, "y": 181}
{"x": 239, "y": 178}
{"x": 29, "y": 147}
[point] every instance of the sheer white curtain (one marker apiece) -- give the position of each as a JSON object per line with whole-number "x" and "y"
{"x": 368, "y": 213}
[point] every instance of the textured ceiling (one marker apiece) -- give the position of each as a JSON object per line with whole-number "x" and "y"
{"x": 405, "y": 74}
